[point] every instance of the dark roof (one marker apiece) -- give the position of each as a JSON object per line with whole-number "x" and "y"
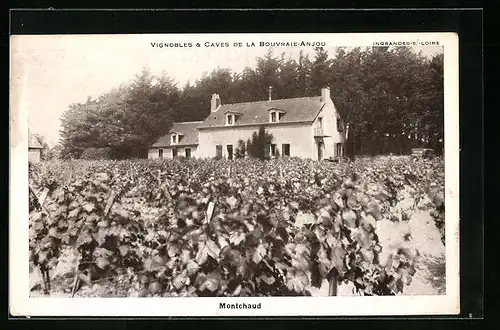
{"x": 189, "y": 131}
{"x": 303, "y": 109}
{"x": 33, "y": 143}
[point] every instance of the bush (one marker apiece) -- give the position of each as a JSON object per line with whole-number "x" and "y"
{"x": 258, "y": 145}
{"x": 241, "y": 149}
{"x": 96, "y": 153}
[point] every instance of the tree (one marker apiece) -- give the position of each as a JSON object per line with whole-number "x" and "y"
{"x": 56, "y": 151}
{"x": 127, "y": 119}
{"x": 392, "y": 99}
{"x": 386, "y": 95}
{"x": 320, "y": 70}
{"x": 303, "y": 75}
{"x": 258, "y": 145}
{"x": 241, "y": 149}
{"x": 289, "y": 79}
{"x": 148, "y": 111}
{"x": 268, "y": 74}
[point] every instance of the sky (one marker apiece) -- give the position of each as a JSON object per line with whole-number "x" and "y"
{"x": 52, "y": 72}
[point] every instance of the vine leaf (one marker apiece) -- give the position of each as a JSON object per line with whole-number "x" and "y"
{"x": 259, "y": 254}
{"x": 236, "y": 238}
{"x": 212, "y": 249}
{"x": 296, "y": 280}
{"x": 173, "y": 249}
{"x": 349, "y": 218}
{"x": 102, "y": 262}
{"x": 268, "y": 279}
{"x": 123, "y": 250}
{"x": 180, "y": 280}
{"x": 211, "y": 282}
{"x": 202, "y": 255}
{"x": 337, "y": 257}
{"x": 185, "y": 256}
{"x": 192, "y": 268}
{"x": 88, "y": 207}
{"x": 73, "y": 213}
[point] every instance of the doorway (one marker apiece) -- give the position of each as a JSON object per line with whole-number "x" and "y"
{"x": 320, "y": 146}
{"x": 338, "y": 150}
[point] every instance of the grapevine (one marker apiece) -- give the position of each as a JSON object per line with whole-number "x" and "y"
{"x": 227, "y": 228}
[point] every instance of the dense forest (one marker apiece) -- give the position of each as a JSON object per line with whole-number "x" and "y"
{"x": 392, "y": 99}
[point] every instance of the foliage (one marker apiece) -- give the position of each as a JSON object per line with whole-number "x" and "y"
{"x": 258, "y": 145}
{"x": 241, "y": 149}
{"x": 96, "y": 153}
{"x": 277, "y": 227}
{"x": 46, "y": 153}
{"x": 392, "y": 99}
{"x": 127, "y": 119}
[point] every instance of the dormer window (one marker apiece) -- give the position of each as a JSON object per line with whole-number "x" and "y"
{"x": 231, "y": 117}
{"x": 275, "y": 115}
{"x": 175, "y": 138}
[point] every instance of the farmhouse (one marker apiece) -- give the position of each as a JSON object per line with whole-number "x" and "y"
{"x": 182, "y": 140}
{"x": 306, "y": 127}
{"x": 34, "y": 149}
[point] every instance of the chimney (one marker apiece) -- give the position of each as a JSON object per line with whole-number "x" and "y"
{"x": 215, "y": 103}
{"x": 325, "y": 94}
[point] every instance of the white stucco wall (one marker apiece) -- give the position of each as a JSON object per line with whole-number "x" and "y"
{"x": 167, "y": 152}
{"x": 34, "y": 155}
{"x": 333, "y": 136}
{"x": 299, "y": 136}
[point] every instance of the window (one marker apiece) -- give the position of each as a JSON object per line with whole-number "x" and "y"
{"x": 273, "y": 150}
{"x": 188, "y": 152}
{"x": 160, "y": 153}
{"x": 285, "y": 149}
{"x": 218, "y": 151}
{"x": 230, "y": 119}
{"x": 174, "y": 152}
{"x": 339, "y": 125}
{"x": 174, "y": 139}
{"x": 318, "y": 130}
{"x": 230, "y": 151}
{"x": 338, "y": 150}
{"x": 273, "y": 117}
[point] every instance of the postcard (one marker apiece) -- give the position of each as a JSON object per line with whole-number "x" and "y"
{"x": 234, "y": 175}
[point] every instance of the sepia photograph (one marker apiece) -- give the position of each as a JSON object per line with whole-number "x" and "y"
{"x": 237, "y": 168}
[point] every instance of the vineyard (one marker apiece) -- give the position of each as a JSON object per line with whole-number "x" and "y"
{"x": 194, "y": 228}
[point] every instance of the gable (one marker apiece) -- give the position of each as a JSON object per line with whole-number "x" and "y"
{"x": 33, "y": 143}
{"x": 295, "y": 110}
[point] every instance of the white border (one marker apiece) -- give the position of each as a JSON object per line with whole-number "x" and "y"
{"x": 22, "y": 305}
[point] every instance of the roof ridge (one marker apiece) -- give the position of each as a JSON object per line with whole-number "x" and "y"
{"x": 264, "y": 101}
{"x": 188, "y": 122}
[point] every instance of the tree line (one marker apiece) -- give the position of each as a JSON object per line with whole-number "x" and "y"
{"x": 391, "y": 98}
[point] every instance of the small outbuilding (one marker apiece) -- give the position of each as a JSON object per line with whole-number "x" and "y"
{"x": 34, "y": 150}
